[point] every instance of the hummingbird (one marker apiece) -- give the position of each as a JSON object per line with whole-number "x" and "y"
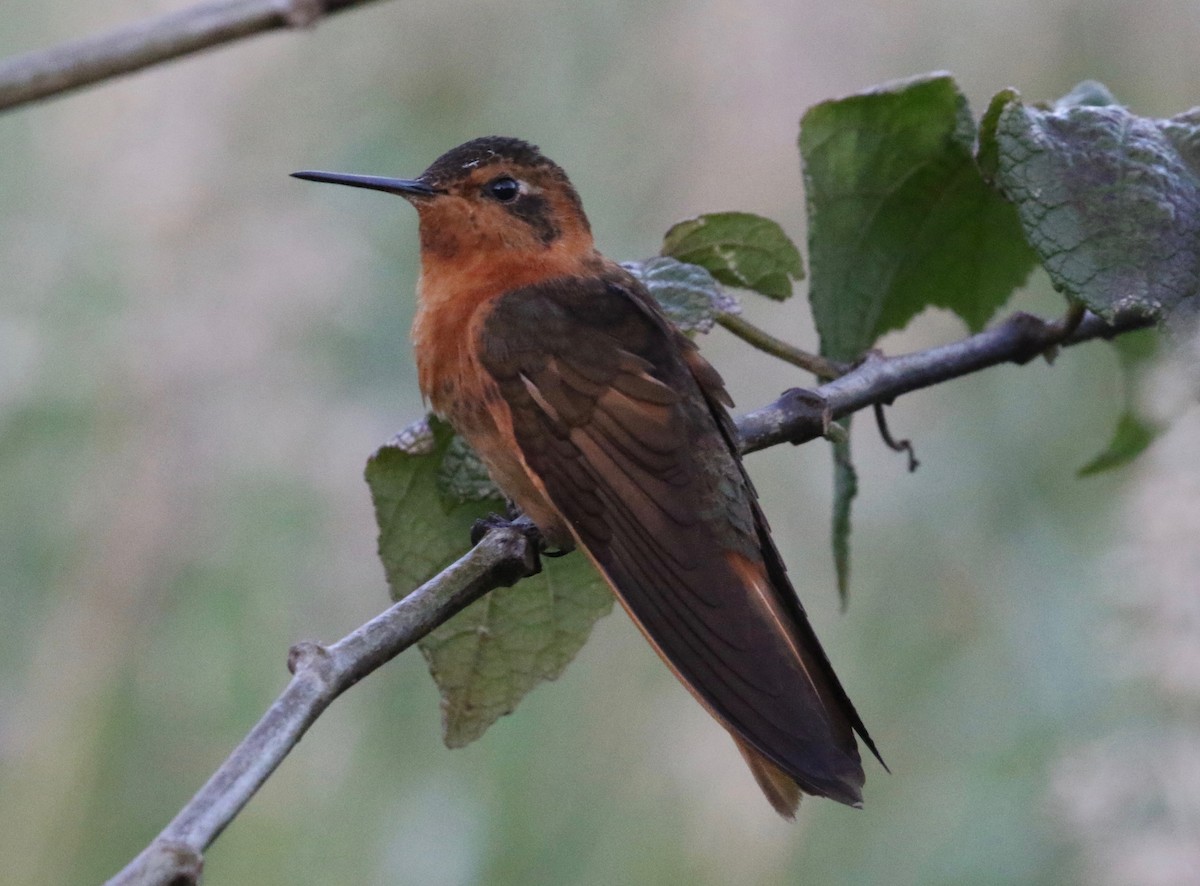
{"x": 607, "y": 428}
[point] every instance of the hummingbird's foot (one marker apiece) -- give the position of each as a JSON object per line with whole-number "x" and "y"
{"x": 518, "y": 521}
{"x": 484, "y": 525}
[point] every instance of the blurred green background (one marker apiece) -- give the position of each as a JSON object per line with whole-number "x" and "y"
{"x": 198, "y": 353}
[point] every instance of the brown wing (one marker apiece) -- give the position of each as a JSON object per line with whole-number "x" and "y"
{"x": 609, "y": 412}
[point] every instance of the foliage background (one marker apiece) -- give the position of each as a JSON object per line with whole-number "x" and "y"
{"x": 197, "y": 354}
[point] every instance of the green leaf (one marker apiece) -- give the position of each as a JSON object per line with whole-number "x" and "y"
{"x": 428, "y": 489}
{"x": 899, "y": 216}
{"x": 1110, "y": 200}
{"x": 1131, "y": 438}
{"x": 845, "y": 489}
{"x": 1133, "y": 433}
{"x": 688, "y": 294}
{"x": 489, "y": 656}
{"x": 462, "y": 476}
{"x": 421, "y": 528}
{"x": 1087, "y": 92}
{"x": 739, "y": 249}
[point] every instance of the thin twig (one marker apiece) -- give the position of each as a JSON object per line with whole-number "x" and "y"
{"x": 68, "y": 66}
{"x": 879, "y": 379}
{"x": 892, "y": 443}
{"x": 819, "y": 366}
{"x": 322, "y": 673}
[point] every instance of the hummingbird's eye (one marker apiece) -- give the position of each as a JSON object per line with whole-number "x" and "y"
{"x": 504, "y": 189}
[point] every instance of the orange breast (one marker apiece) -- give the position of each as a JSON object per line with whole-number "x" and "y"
{"x": 455, "y": 300}
{"x": 455, "y": 294}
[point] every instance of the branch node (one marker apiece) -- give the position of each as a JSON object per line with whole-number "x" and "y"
{"x": 809, "y": 412}
{"x": 169, "y": 862}
{"x": 870, "y": 357}
{"x": 1065, "y": 326}
{"x": 1031, "y": 336}
{"x": 1062, "y": 329}
{"x": 301, "y": 13}
{"x": 307, "y": 656}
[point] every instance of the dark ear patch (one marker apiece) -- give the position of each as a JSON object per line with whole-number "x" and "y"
{"x": 535, "y": 211}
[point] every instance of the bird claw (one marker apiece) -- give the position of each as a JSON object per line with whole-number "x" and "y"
{"x": 521, "y": 524}
{"x": 484, "y": 525}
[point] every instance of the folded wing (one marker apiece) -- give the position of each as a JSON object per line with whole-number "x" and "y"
{"x": 622, "y": 423}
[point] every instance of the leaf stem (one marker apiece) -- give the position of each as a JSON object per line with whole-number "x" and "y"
{"x": 823, "y": 369}
{"x": 1063, "y": 328}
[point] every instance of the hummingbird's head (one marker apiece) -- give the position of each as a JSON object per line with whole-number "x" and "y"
{"x": 491, "y": 197}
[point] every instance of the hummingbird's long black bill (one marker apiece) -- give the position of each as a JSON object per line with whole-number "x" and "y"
{"x": 405, "y": 187}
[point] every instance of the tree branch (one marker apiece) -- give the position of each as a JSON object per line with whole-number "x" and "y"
{"x": 795, "y": 418}
{"x": 321, "y": 673}
{"x": 68, "y": 66}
